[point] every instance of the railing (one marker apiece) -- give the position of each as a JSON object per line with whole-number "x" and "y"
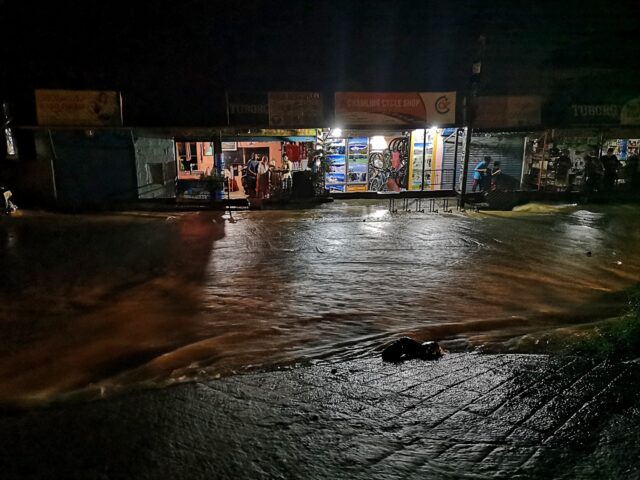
{"x": 441, "y": 179}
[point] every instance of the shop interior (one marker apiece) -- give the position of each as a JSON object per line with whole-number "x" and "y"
{"x": 196, "y": 160}
{"x": 546, "y": 154}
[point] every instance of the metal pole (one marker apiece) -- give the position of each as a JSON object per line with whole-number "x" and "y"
{"x": 465, "y": 166}
{"x": 470, "y": 107}
{"x": 455, "y": 160}
{"x": 424, "y": 151}
{"x": 53, "y": 159}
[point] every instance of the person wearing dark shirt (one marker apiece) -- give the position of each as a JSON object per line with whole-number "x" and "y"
{"x": 496, "y": 176}
{"x": 563, "y": 165}
{"x": 252, "y": 174}
{"x": 632, "y": 172}
{"x": 592, "y": 173}
{"x": 611, "y": 165}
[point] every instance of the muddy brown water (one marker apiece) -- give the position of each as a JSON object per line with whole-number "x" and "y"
{"x": 95, "y": 305}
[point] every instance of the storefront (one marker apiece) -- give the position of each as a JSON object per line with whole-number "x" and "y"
{"x": 379, "y": 147}
{"x": 385, "y": 160}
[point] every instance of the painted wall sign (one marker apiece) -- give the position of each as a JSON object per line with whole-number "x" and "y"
{"x": 400, "y": 108}
{"x": 295, "y": 109}
{"x": 508, "y": 111}
{"x": 78, "y": 108}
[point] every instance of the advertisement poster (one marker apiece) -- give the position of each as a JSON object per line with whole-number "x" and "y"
{"x": 358, "y": 161}
{"x": 401, "y": 108}
{"x": 589, "y": 111}
{"x": 336, "y": 154}
{"x": 79, "y": 108}
{"x": 418, "y": 155}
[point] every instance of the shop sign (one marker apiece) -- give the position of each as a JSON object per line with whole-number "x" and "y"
{"x": 400, "y": 108}
{"x": 78, "y": 108}
{"x": 248, "y": 108}
{"x": 508, "y": 111}
{"x": 295, "y": 109}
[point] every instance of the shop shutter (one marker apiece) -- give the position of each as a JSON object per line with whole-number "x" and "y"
{"x": 508, "y": 148}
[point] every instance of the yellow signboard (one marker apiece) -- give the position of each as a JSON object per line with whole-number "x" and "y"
{"x": 91, "y": 108}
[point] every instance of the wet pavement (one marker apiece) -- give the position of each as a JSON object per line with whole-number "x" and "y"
{"x": 464, "y": 416}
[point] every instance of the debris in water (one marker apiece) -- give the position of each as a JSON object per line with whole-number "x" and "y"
{"x": 319, "y": 250}
{"x": 588, "y": 254}
{"x": 407, "y": 348}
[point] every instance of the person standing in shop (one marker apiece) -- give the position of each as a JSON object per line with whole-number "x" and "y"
{"x": 263, "y": 178}
{"x": 252, "y": 175}
{"x": 286, "y": 173}
{"x": 563, "y": 165}
{"x": 611, "y": 166}
{"x": 632, "y": 173}
{"x": 592, "y": 174}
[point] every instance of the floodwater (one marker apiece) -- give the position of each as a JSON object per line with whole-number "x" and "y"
{"x": 95, "y": 305}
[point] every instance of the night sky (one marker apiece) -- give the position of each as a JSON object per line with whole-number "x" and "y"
{"x": 175, "y": 51}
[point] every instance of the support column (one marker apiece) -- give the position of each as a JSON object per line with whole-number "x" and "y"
{"x": 217, "y": 153}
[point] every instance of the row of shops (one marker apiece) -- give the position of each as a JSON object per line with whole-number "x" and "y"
{"x": 375, "y": 146}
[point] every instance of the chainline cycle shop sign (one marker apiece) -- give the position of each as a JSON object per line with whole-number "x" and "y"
{"x": 399, "y": 108}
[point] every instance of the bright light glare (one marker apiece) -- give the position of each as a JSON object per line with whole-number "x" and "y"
{"x": 336, "y": 132}
{"x": 378, "y": 143}
{"x": 378, "y": 214}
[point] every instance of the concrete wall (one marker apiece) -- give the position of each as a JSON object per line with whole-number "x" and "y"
{"x": 275, "y": 149}
{"x": 92, "y": 169}
{"x": 155, "y": 167}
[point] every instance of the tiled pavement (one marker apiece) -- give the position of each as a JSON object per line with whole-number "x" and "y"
{"x": 464, "y": 416}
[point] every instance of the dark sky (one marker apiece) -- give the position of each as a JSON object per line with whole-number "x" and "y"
{"x": 164, "y": 48}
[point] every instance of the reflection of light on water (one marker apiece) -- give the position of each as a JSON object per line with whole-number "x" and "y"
{"x": 585, "y": 217}
{"x": 378, "y": 214}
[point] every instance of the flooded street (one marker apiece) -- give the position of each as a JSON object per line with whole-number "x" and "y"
{"x": 93, "y": 305}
